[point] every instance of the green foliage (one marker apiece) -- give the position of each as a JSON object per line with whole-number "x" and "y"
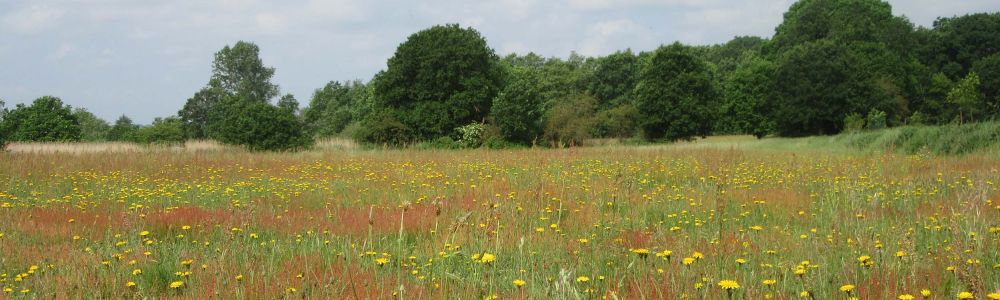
{"x": 917, "y": 119}
{"x": 853, "y": 122}
{"x": 933, "y": 102}
{"x": 727, "y": 57}
{"x": 438, "y": 79}
{"x": 335, "y": 106}
{"x": 875, "y": 120}
{"x": 517, "y": 110}
{"x": 955, "y": 44}
{"x": 123, "y": 130}
{"x": 557, "y": 78}
{"x": 820, "y": 83}
{"x": 675, "y": 95}
{"x": 197, "y": 110}
{"x": 966, "y": 98}
{"x": 841, "y": 21}
{"x": 289, "y": 104}
{"x": 619, "y": 122}
{"x": 444, "y": 142}
{"x": 92, "y": 128}
{"x": 238, "y": 70}
{"x": 941, "y": 140}
{"x": 384, "y": 129}
{"x": 3, "y": 133}
{"x": 168, "y": 130}
{"x": 748, "y": 91}
{"x": 988, "y": 70}
{"x": 614, "y": 79}
{"x": 45, "y": 120}
{"x": 570, "y": 120}
{"x": 259, "y": 126}
{"x": 472, "y": 135}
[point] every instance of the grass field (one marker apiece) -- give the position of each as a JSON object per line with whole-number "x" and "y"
{"x": 692, "y": 220}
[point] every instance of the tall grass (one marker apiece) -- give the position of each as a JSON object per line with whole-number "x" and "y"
{"x": 975, "y": 138}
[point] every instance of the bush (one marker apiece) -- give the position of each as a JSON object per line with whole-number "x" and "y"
{"x": 45, "y": 120}
{"x": 259, "y": 126}
{"x": 619, "y": 122}
{"x": 876, "y": 120}
{"x": 471, "y": 136}
{"x": 383, "y": 129}
{"x": 570, "y": 121}
{"x": 917, "y": 119}
{"x": 163, "y": 131}
{"x": 853, "y": 123}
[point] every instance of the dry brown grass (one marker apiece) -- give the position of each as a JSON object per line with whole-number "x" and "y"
{"x": 110, "y": 147}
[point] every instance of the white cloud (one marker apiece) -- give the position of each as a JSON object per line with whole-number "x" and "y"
{"x": 34, "y": 18}
{"x": 625, "y": 4}
{"x": 313, "y": 41}
{"x": 270, "y": 23}
{"x": 606, "y": 37}
{"x": 65, "y": 49}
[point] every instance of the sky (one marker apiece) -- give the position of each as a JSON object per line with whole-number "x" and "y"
{"x": 145, "y": 58}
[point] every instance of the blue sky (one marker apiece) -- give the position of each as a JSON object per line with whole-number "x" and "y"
{"x": 144, "y": 58}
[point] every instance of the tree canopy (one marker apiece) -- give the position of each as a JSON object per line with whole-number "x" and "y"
{"x": 47, "y": 119}
{"x": 675, "y": 95}
{"x": 440, "y": 78}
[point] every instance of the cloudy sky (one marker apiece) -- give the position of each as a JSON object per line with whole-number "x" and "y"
{"x": 144, "y": 58}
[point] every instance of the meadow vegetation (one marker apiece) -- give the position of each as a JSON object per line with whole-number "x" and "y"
{"x": 626, "y": 222}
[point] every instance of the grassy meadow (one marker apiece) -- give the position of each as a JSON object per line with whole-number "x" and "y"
{"x": 730, "y": 220}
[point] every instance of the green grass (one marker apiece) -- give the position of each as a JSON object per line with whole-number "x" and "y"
{"x": 947, "y": 140}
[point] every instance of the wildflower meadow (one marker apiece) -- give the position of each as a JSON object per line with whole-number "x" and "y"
{"x": 619, "y": 222}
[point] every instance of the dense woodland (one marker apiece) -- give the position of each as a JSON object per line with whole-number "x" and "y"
{"x": 831, "y": 66}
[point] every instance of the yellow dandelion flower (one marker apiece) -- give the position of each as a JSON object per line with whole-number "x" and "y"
{"x": 847, "y": 288}
{"x": 925, "y": 293}
{"x": 582, "y": 279}
{"x": 729, "y": 285}
{"x": 176, "y": 284}
{"x": 641, "y": 252}
{"x": 381, "y": 261}
{"x": 905, "y": 297}
{"x": 770, "y": 281}
{"x": 487, "y": 258}
{"x": 519, "y": 282}
{"x": 994, "y": 296}
{"x": 239, "y": 277}
{"x": 130, "y": 284}
{"x": 687, "y": 261}
{"x": 966, "y": 295}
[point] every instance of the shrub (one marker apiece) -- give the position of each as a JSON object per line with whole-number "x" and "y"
{"x": 569, "y": 122}
{"x": 259, "y": 126}
{"x": 853, "y": 123}
{"x": 163, "y": 131}
{"x": 917, "y": 119}
{"x": 876, "y": 120}
{"x": 45, "y": 120}
{"x": 383, "y": 129}
{"x": 471, "y": 136}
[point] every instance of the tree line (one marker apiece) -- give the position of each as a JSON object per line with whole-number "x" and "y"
{"x": 831, "y": 66}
